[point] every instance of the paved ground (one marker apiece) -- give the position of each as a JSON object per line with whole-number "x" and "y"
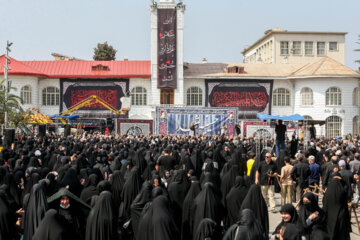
{"x": 275, "y": 219}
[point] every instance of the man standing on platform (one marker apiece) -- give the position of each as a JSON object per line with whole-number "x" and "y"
{"x": 280, "y": 131}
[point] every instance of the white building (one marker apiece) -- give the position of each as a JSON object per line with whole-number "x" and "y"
{"x": 318, "y": 86}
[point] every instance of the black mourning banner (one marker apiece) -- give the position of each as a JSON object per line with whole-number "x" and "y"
{"x": 249, "y": 97}
{"x": 74, "y": 91}
{"x": 167, "y": 48}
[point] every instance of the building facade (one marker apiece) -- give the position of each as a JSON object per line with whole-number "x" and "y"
{"x": 317, "y": 86}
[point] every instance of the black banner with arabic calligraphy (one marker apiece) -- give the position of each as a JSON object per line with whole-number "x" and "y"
{"x": 250, "y": 97}
{"x": 167, "y": 48}
{"x": 74, "y": 91}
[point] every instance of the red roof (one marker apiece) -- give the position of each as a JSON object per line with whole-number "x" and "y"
{"x": 78, "y": 69}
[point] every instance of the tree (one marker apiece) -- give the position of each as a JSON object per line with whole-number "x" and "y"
{"x": 104, "y": 52}
{"x": 358, "y": 50}
{"x": 12, "y": 105}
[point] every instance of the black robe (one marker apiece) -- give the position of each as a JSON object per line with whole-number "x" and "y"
{"x": 101, "y": 223}
{"x": 336, "y": 210}
{"x": 207, "y": 204}
{"x": 318, "y": 225}
{"x": 187, "y": 213}
{"x": 138, "y": 204}
{"x": 163, "y": 224}
{"x": 207, "y": 229}
{"x": 7, "y": 220}
{"x": 248, "y": 227}
{"x": 234, "y": 199}
{"x": 35, "y": 210}
{"x": 89, "y": 188}
{"x": 53, "y": 228}
{"x": 254, "y": 200}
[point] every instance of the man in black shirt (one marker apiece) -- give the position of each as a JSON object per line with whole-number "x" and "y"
{"x": 265, "y": 176}
{"x": 166, "y": 162}
{"x": 280, "y": 131}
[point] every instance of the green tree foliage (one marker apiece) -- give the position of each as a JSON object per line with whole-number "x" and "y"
{"x": 104, "y": 52}
{"x": 12, "y": 106}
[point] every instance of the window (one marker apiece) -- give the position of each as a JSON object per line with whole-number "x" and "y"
{"x": 306, "y": 96}
{"x": 309, "y": 48}
{"x": 138, "y": 96}
{"x": 281, "y": 97}
{"x": 296, "y": 48}
{"x": 51, "y": 96}
{"x": 194, "y": 96}
{"x": 167, "y": 96}
{"x": 333, "y": 46}
{"x": 333, "y": 127}
{"x": 356, "y": 125}
{"x": 307, "y": 117}
{"x": 356, "y": 97}
{"x": 333, "y": 96}
{"x": 26, "y": 94}
{"x": 284, "y": 48}
{"x": 320, "y": 48}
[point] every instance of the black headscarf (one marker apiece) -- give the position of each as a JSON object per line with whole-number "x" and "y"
{"x": 290, "y": 209}
{"x": 102, "y": 220}
{"x": 187, "y": 213}
{"x": 305, "y": 210}
{"x": 90, "y": 188}
{"x": 70, "y": 179}
{"x": 336, "y": 210}
{"x": 254, "y": 200}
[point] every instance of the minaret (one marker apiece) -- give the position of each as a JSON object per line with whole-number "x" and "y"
{"x": 162, "y": 63}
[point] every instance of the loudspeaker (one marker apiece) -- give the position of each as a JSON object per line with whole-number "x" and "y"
{"x": 42, "y": 130}
{"x": 9, "y": 136}
{"x": 67, "y": 130}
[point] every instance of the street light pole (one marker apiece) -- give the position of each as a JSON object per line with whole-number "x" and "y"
{"x": 7, "y": 87}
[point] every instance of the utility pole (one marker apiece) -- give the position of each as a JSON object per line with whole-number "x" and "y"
{"x": 7, "y": 86}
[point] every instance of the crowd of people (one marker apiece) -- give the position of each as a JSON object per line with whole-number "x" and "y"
{"x": 175, "y": 187}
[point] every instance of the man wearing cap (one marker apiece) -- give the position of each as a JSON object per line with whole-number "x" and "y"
{"x": 315, "y": 172}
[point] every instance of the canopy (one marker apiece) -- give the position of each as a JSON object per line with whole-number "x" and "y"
{"x": 295, "y": 117}
{"x": 66, "y": 117}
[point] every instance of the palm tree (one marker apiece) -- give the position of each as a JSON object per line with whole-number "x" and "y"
{"x": 13, "y": 103}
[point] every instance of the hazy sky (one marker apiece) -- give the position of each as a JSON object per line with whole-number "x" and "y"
{"x": 217, "y": 30}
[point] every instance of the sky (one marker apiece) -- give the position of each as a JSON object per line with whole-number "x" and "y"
{"x": 215, "y": 30}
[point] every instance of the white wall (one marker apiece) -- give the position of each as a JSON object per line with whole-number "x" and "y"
{"x": 283, "y": 110}
{"x": 319, "y": 111}
{"x": 20, "y": 81}
{"x": 44, "y": 83}
{"x": 141, "y": 112}
{"x": 188, "y": 83}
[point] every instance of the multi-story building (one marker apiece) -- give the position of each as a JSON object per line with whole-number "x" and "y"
{"x": 315, "y": 84}
{"x": 282, "y": 46}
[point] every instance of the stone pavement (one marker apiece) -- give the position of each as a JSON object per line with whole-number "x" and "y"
{"x": 275, "y": 219}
